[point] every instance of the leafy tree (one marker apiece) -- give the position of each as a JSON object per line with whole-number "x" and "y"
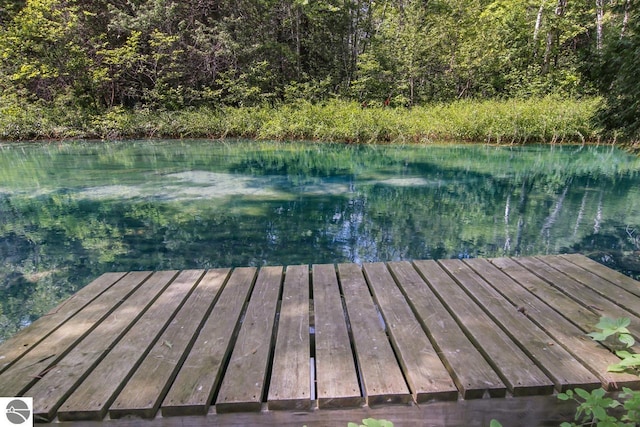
{"x": 619, "y": 80}
{"x": 81, "y": 55}
{"x": 9, "y": 8}
{"x": 43, "y": 53}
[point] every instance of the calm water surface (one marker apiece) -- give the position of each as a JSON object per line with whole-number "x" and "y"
{"x": 71, "y": 211}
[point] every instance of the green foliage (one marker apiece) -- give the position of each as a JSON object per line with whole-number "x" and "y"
{"x": 43, "y": 55}
{"x": 529, "y": 121}
{"x": 89, "y": 58}
{"x": 372, "y": 422}
{"x": 596, "y": 409}
{"x": 592, "y": 407}
{"x": 629, "y": 362}
{"x": 618, "y": 77}
{"x": 253, "y": 87}
{"x": 631, "y": 404}
{"x": 9, "y": 8}
{"x": 616, "y": 328}
{"x": 495, "y": 423}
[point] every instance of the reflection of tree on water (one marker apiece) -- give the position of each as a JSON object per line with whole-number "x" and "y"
{"x": 580, "y": 215}
{"x": 614, "y": 249}
{"x": 553, "y": 217}
{"x": 596, "y": 223}
{"x": 525, "y": 189}
{"x": 336, "y": 204}
{"x": 633, "y": 237}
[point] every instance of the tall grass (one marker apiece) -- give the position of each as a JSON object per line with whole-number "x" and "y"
{"x": 548, "y": 119}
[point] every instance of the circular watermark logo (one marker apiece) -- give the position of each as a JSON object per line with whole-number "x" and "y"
{"x": 17, "y": 411}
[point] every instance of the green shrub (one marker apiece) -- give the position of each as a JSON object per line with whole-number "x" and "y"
{"x": 546, "y": 119}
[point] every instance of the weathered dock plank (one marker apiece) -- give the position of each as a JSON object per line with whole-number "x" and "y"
{"x": 302, "y": 340}
{"x": 591, "y": 354}
{"x": 336, "y": 375}
{"x": 91, "y": 399}
{"x": 580, "y": 293}
{"x": 468, "y": 368}
{"x": 49, "y": 393}
{"x": 551, "y": 358}
{"x": 144, "y": 392}
{"x": 244, "y": 380}
{"x": 16, "y": 346}
{"x": 583, "y": 317}
{"x": 193, "y": 389}
{"x": 44, "y": 356}
{"x": 382, "y": 377}
{"x": 521, "y": 375}
{"x": 514, "y": 412}
{"x": 603, "y": 287}
{"x": 619, "y": 279}
{"x": 426, "y": 375}
{"x": 290, "y": 386}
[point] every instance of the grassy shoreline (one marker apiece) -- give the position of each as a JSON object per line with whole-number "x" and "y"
{"x": 538, "y": 120}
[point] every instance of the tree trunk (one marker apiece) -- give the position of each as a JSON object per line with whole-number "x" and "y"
{"x": 351, "y": 57}
{"x": 411, "y": 88}
{"x": 625, "y": 19}
{"x": 599, "y": 19}
{"x": 298, "y": 49}
{"x": 552, "y": 38}
{"x": 536, "y": 30}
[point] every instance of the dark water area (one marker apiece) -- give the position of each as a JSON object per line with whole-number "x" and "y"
{"x": 71, "y": 211}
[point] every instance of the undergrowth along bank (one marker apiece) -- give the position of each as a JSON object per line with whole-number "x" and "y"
{"x": 547, "y": 119}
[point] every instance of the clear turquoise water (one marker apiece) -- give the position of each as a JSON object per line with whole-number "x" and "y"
{"x": 71, "y": 211}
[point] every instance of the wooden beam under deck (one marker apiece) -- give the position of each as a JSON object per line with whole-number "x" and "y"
{"x": 448, "y": 342}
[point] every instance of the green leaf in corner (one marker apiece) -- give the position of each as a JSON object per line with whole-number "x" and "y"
{"x": 614, "y": 404}
{"x": 626, "y": 339}
{"x": 610, "y": 327}
{"x": 495, "y": 423}
{"x": 582, "y": 393}
{"x": 600, "y": 413}
{"x": 607, "y": 323}
{"x": 597, "y": 336}
{"x": 629, "y": 361}
{"x": 372, "y": 422}
{"x": 616, "y": 368}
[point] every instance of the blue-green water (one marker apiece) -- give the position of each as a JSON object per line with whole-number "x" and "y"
{"x": 71, "y": 211}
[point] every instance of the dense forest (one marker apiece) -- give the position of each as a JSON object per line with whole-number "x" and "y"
{"x": 90, "y": 58}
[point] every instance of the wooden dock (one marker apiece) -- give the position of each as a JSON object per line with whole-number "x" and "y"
{"x": 450, "y": 342}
